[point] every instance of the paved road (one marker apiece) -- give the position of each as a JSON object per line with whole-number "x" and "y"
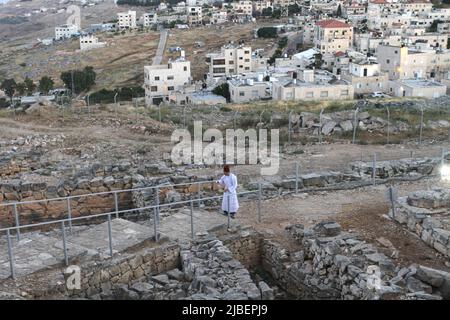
{"x": 161, "y": 46}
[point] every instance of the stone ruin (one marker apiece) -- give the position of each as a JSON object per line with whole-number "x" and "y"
{"x": 426, "y": 214}
{"x": 322, "y": 262}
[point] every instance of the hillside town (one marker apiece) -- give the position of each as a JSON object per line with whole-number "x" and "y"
{"x": 225, "y": 150}
{"x": 327, "y": 50}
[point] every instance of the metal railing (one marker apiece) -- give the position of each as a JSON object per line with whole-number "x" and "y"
{"x": 156, "y": 216}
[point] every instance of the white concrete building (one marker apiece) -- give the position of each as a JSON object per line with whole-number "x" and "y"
{"x": 66, "y": 31}
{"x": 126, "y": 20}
{"x": 90, "y": 42}
{"x": 246, "y": 90}
{"x": 230, "y": 61}
{"x": 149, "y": 19}
{"x": 417, "y": 88}
{"x": 194, "y": 15}
{"x": 297, "y": 89}
{"x": 331, "y": 36}
{"x": 244, "y": 8}
{"x": 366, "y": 77}
{"x": 164, "y": 80}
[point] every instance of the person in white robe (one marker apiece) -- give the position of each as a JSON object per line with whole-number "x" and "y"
{"x": 229, "y": 184}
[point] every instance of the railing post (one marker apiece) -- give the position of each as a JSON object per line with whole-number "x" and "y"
{"x": 63, "y": 229}
{"x": 10, "y": 254}
{"x": 320, "y": 126}
{"x": 16, "y": 217}
{"x": 296, "y": 176}
{"x": 199, "y": 201}
{"x": 116, "y": 204}
{"x": 259, "y": 201}
{"x": 374, "y": 164}
{"x": 388, "y": 121}
{"x": 421, "y": 125}
{"x": 228, "y": 210}
{"x": 110, "y": 236}
{"x": 192, "y": 218}
{"x": 155, "y": 224}
{"x": 157, "y": 203}
{"x": 355, "y": 125}
{"x": 69, "y": 214}
{"x": 289, "y": 127}
{"x": 159, "y": 112}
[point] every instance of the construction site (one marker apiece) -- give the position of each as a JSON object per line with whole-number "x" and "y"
{"x": 93, "y": 190}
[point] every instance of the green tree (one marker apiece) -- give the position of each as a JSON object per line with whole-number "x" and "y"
{"x": 266, "y": 12}
{"x": 223, "y": 90}
{"x": 9, "y": 86}
{"x": 30, "y": 86}
{"x": 267, "y": 32}
{"x": 21, "y": 88}
{"x": 82, "y": 80}
{"x": 433, "y": 27}
{"x": 46, "y": 84}
{"x": 339, "y": 12}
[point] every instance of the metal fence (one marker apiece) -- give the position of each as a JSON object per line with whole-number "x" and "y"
{"x": 67, "y": 222}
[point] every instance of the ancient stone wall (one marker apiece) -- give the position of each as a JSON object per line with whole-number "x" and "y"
{"x": 100, "y": 277}
{"x": 246, "y": 246}
{"x": 426, "y": 213}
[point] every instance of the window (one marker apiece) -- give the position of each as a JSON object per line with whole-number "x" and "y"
{"x": 323, "y": 94}
{"x": 310, "y": 94}
{"x": 170, "y": 88}
{"x": 154, "y": 88}
{"x": 241, "y": 58}
{"x": 388, "y": 61}
{"x": 231, "y": 71}
{"x": 255, "y": 93}
{"x": 247, "y": 52}
{"x": 219, "y": 70}
{"x": 156, "y": 78}
{"x": 184, "y": 68}
{"x": 241, "y": 93}
{"x": 344, "y": 92}
{"x": 247, "y": 68}
{"x": 247, "y": 60}
{"x": 169, "y": 77}
{"x": 218, "y": 61}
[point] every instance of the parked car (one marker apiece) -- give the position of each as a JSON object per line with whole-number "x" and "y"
{"x": 377, "y": 95}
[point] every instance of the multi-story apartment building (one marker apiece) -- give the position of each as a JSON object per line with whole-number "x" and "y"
{"x": 194, "y": 15}
{"x": 66, "y": 31}
{"x": 242, "y": 8}
{"x": 150, "y": 19}
{"x": 219, "y": 17}
{"x": 405, "y": 63}
{"x": 163, "y": 80}
{"x": 331, "y": 36}
{"x": 260, "y": 5}
{"x": 366, "y": 77}
{"x": 417, "y": 6}
{"x": 231, "y": 60}
{"x": 282, "y": 3}
{"x": 126, "y": 20}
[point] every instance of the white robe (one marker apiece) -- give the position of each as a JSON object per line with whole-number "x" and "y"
{"x": 231, "y": 183}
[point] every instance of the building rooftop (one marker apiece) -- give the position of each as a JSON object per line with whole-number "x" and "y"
{"x": 332, "y": 23}
{"x": 419, "y": 83}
